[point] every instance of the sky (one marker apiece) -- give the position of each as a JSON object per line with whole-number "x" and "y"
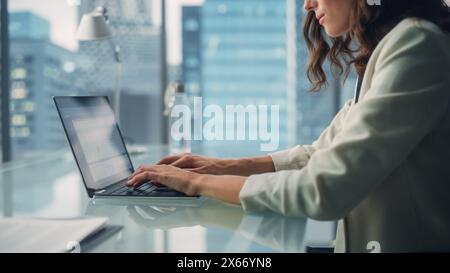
{"x": 63, "y": 17}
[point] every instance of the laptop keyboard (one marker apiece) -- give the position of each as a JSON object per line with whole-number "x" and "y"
{"x": 143, "y": 190}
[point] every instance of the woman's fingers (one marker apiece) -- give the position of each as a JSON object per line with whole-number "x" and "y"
{"x": 167, "y": 175}
{"x": 137, "y": 179}
{"x": 170, "y": 159}
{"x": 180, "y": 161}
{"x": 143, "y": 177}
{"x": 200, "y": 170}
{"x": 151, "y": 172}
{"x": 186, "y": 161}
{"x": 141, "y": 169}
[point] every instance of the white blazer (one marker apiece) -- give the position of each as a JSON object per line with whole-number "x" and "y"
{"x": 382, "y": 167}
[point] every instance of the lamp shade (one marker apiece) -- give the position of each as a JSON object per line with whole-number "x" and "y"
{"x": 93, "y": 27}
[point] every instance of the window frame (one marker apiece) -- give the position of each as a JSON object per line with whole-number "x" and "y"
{"x": 5, "y": 83}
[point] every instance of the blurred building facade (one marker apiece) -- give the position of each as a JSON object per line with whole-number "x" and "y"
{"x": 39, "y": 70}
{"x": 253, "y": 52}
{"x": 238, "y": 52}
{"x": 191, "y": 50}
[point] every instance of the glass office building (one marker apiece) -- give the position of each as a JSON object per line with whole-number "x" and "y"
{"x": 253, "y": 52}
{"x": 246, "y": 59}
{"x": 39, "y": 70}
{"x": 191, "y": 50}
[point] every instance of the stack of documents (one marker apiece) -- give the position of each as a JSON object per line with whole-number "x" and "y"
{"x": 46, "y": 235}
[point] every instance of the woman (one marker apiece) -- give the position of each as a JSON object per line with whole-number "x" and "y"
{"x": 382, "y": 166}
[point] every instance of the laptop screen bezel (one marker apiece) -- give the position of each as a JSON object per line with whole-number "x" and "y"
{"x": 91, "y": 191}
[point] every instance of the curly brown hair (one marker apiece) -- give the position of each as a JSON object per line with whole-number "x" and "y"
{"x": 369, "y": 24}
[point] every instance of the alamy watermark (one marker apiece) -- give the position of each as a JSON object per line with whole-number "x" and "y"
{"x": 213, "y": 122}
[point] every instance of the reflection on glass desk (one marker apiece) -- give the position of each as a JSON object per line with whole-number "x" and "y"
{"x": 50, "y": 186}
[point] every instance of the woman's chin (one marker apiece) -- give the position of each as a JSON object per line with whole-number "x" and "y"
{"x": 333, "y": 33}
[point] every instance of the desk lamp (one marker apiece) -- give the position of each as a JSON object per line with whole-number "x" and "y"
{"x": 94, "y": 27}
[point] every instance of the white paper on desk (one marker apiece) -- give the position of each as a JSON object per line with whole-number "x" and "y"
{"x": 45, "y": 235}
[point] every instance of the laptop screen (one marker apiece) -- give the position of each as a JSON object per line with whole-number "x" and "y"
{"x": 95, "y": 139}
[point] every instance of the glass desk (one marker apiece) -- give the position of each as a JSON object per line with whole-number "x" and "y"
{"x": 50, "y": 186}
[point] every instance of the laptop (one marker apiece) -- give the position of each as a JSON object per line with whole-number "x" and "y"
{"x": 100, "y": 152}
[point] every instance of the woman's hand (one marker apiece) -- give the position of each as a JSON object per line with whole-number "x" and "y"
{"x": 198, "y": 164}
{"x": 223, "y": 187}
{"x": 170, "y": 176}
{"x": 216, "y": 166}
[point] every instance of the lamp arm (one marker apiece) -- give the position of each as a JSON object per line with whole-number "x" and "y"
{"x": 116, "y": 49}
{"x": 117, "y": 91}
{"x": 118, "y": 61}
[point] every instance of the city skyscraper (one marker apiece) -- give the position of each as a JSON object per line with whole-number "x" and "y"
{"x": 248, "y": 58}
{"x": 39, "y": 70}
{"x": 191, "y": 49}
{"x": 250, "y": 52}
{"x": 29, "y": 26}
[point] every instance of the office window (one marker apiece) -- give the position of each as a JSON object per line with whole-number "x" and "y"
{"x": 46, "y": 60}
{"x": 4, "y": 84}
{"x": 226, "y": 51}
{"x": 253, "y": 52}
